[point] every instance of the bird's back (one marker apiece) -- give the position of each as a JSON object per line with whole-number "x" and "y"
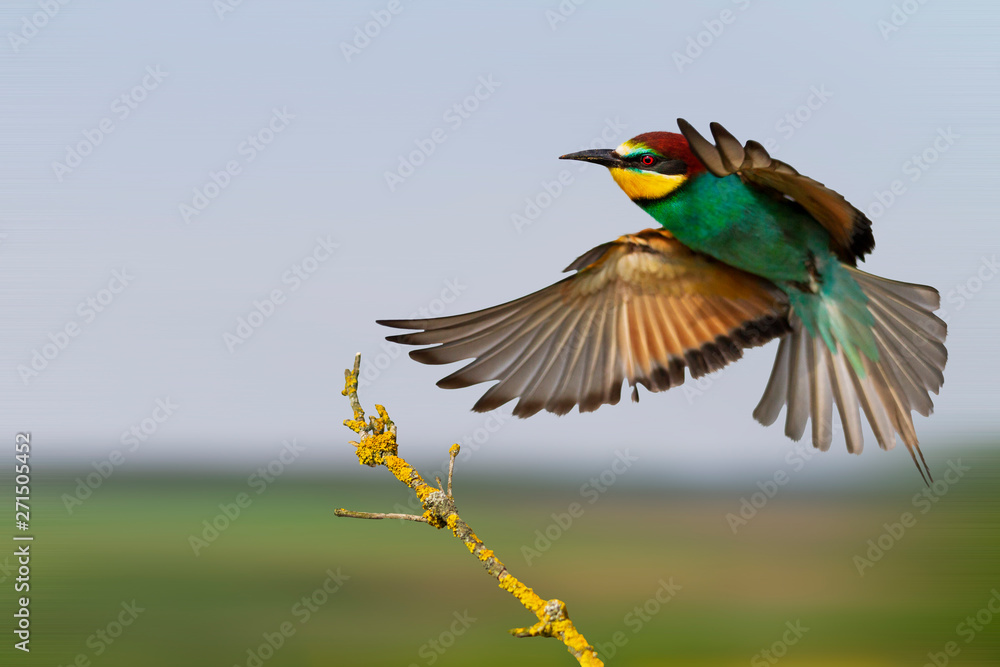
{"x": 744, "y": 227}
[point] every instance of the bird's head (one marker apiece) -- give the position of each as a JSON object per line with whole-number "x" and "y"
{"x": 648, "y": 167}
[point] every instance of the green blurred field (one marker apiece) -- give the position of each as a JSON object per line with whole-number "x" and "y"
{"x": 406, "y": 582}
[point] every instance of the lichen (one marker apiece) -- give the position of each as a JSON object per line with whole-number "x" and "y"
{"x": 373, "y": 450}
{"x": 378, "y": 446}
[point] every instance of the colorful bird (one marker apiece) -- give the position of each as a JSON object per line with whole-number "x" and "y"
{"x": 749, "y": 250}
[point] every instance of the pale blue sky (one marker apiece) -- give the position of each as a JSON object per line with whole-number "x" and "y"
{"x": 308, "y": 135}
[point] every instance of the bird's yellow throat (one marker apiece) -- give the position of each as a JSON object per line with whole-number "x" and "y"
{"x": 646, "y": 184}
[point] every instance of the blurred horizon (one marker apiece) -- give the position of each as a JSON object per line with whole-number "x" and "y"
{"x": 806, "y": 466}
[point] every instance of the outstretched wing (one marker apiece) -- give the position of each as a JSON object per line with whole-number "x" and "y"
{"x": 640, "y": 308}
{"x": 849, "y": 228}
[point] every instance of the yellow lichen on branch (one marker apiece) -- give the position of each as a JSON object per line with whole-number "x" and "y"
{"x": 378, "y": 446}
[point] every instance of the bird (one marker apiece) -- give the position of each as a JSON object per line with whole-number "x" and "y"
{"x": 747, "y": 250}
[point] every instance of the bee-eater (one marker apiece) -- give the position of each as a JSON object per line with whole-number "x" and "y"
{"x": 749, "y": 250}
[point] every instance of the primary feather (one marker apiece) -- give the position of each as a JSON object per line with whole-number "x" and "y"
{"x": 640, "y": 309}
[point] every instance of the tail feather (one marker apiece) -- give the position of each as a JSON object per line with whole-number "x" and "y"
{"x": 922, "y": 371}
{"x": 847, "y": 401}
{"x": 871, "y": 404}
{"x": 798, "y": 387}
{"x": 777, "y": 385}
{"x": 820, "y": 397}
{"x": 913, "y": 386}
{"x": 810, "y": 377}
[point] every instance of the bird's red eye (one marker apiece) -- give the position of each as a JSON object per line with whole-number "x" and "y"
{"x": 647, "y": 159}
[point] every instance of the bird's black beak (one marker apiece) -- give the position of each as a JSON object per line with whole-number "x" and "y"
{"x": 604, "y": 156}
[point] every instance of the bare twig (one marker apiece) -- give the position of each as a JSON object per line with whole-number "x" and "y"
{"x": 351, "y": 514}
{"x": 378, "y": 447}
{"x": 453, "y": 454}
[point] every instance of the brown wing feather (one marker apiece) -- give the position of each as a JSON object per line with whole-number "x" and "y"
{"x": 849, "y": 228}
{"x": 643, "y": 308}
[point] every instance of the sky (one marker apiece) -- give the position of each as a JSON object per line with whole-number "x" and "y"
{"x": 206, "y": 206}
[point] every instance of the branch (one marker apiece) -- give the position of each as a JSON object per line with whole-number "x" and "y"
{"x": 378, "y": 447}
{"x": 351, "y": 514}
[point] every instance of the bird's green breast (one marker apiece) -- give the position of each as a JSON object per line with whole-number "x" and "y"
{"x": 745, "y": 228}
{"x": 778, "y": 240}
